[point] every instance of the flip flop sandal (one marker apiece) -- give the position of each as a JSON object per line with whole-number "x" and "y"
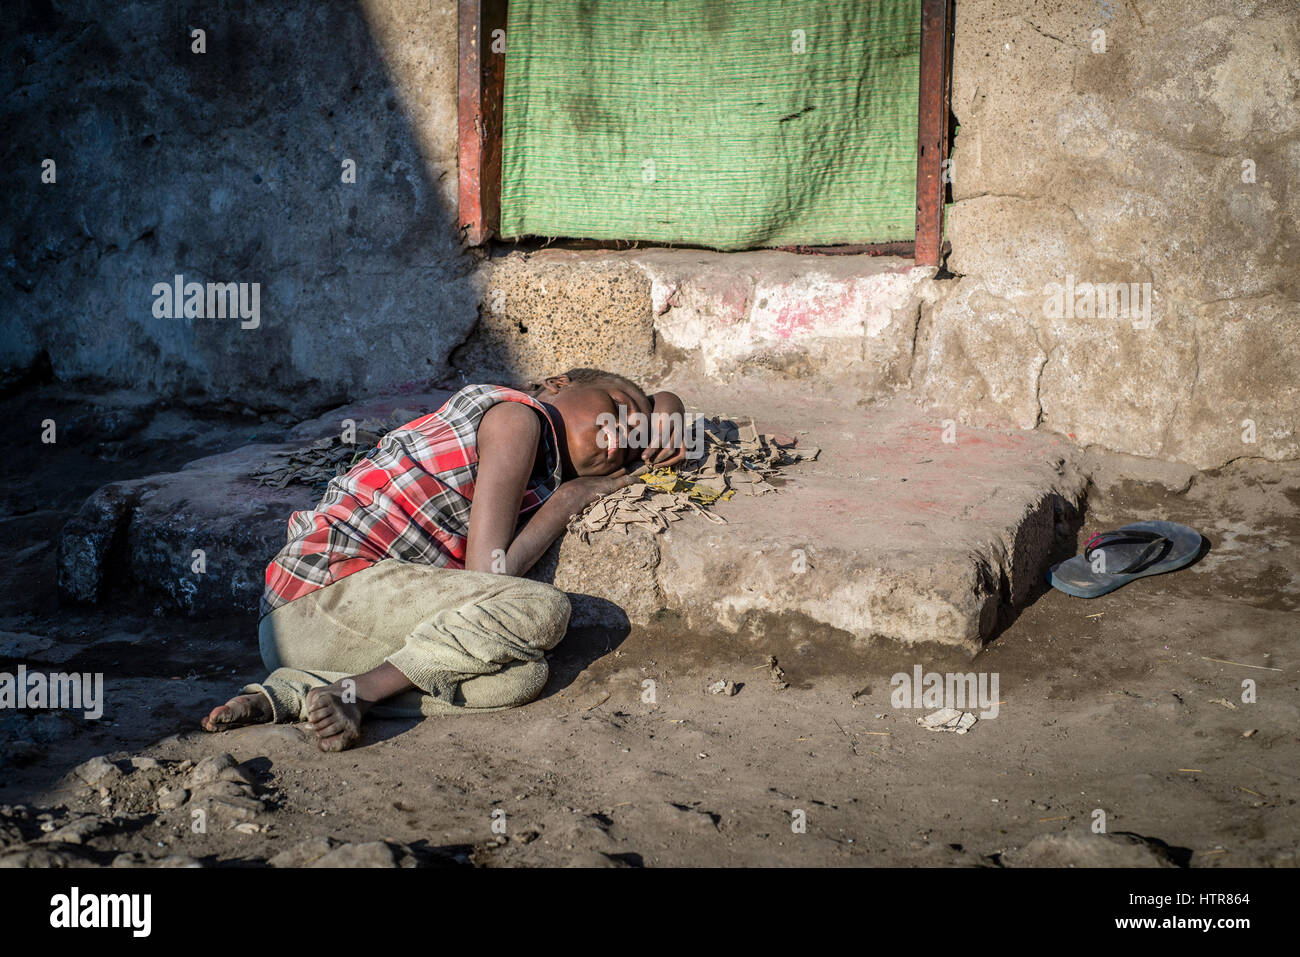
{"x": 1112, "y": 559}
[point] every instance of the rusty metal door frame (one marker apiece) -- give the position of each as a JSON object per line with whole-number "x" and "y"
{"x": 481, "y": 78}
{"x": 932, "y": 128}
{"x": 481, "y": 83}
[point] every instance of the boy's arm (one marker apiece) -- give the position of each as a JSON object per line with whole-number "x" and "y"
{"x": 549, "y": 521}
{"x": 507, "y": 447}
{"x": 507, "y": 430}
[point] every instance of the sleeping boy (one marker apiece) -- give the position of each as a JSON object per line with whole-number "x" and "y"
{"x": 400, "y": 591}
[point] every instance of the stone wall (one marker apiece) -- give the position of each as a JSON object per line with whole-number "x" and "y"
{"x": 228, "y": 166}
{"x": 1167, "y": 160}
{"x": 1171, "y": 158}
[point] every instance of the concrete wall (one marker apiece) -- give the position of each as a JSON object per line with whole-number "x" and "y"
{"x": 1129, "y": 165}
{"x": 227, "y": 166}
{"x": 1122, "y": 166}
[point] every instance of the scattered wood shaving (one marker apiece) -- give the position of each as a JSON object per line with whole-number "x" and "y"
{"x": 948, "y": 719}
{"x": 733, "y": 460}
{"x": 324, "y": 459}
{"x": 1239, "y": 664}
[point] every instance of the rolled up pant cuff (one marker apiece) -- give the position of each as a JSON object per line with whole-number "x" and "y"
{"x": 285, "y": 707}
{"x": 439, "y": 684}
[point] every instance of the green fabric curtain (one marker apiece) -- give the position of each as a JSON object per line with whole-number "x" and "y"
{"x": 720, "y": 123}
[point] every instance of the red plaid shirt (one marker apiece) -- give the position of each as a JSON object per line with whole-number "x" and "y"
{"x": 409, "y": 499}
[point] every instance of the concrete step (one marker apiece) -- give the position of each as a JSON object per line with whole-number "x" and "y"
{"x": 892, "y": 533}
{"x": 142, "y": 535}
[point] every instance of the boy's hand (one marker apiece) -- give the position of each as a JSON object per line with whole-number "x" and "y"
{"x": 581, "y": 492}
{"x": 667, "y": 431}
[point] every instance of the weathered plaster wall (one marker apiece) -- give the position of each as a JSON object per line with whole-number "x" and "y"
{"x": 227, "y": 166}
{"x": 849, "y": 318}
{"x": 1123, "y": 166}
{"x": 1126, "y": 166}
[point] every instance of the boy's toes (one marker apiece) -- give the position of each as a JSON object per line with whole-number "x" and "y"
{"x": 242, "y": 709}
{"x": 219, "y": 716}
{"x": 338, "y": 742}
{"x": 337, "y": 735}
{"x": 335, "y": 724}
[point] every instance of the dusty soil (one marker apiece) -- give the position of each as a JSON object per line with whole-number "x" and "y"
{"x": 1131, "y": 704}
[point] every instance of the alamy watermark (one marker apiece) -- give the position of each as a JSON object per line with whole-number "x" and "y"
{"x": 636, "y": 430}
{"x": 214, "y": 300}
{"x": 56, "y": 691}
{"x": 1127, "y": 301}
{"x": 75, "y": 910}
{"x": 961, "y": 692}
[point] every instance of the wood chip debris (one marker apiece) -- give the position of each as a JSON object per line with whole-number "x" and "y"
{"x": 1240, "y": 664}
{"x": 316, "y": 464}
{"x": 734, "y": 460}
{"x": 776, "y": 674}
{"x": 948, "y": 719}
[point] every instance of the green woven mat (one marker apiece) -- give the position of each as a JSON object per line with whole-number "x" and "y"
{"x": 696, "y": 122}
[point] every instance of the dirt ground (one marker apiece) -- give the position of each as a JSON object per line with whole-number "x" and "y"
{"x": 1131, "y": 704}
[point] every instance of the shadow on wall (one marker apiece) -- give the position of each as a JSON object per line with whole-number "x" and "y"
{"x": 276, "y": 148}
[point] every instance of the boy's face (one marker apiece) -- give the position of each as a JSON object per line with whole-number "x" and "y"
{"x": 590, "y": 410}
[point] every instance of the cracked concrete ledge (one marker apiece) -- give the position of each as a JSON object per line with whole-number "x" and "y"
{"x": 141, "y": 535}
{"x": 893, "y": 533}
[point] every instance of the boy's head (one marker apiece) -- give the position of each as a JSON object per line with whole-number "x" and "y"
{"x": 589, "y": 401}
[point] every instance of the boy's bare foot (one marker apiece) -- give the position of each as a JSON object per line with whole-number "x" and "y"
{"x": 335, "y": 719}
{"x": 240, "y": 710}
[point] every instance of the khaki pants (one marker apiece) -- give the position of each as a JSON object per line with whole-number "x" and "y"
{"x": 468, "y": 641}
